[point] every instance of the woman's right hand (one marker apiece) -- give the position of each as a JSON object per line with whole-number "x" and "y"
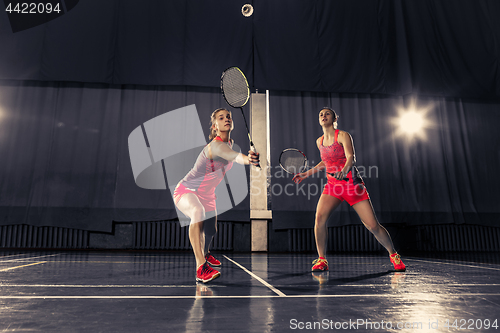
{"x": 253, "y": 158}
{"x": 299, "y": 177}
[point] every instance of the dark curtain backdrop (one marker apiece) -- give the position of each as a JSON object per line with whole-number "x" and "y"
{"x": 64, "y": 152}
{"x": 65, "y": 159}
{"x": 72, "y": 90}
{"x": 431, "y": 47}
{"x": 448, "y": 175}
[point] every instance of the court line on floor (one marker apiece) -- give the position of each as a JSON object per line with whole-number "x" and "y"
{"x": 402, "y": 283}
{"x": 13, "y": 255}
{"x": 115, "y": 262}
{"x": 29, "y": 258}
{"x": 452, "y": 263}
{"x": 236, "y": 296}
{"x": 280, "y": 293}
{"x": 102, "y": 286}
{"x": 11, "y": 268}
{"x": 8, "y": 285}
{"x": 146, "y": 262}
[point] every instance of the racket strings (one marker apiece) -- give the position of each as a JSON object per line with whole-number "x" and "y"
{"x": 235, "y": 88}
{"x": 293, "y": 161}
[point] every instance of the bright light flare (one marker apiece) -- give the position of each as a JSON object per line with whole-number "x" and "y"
{"x": 412, "y": 123}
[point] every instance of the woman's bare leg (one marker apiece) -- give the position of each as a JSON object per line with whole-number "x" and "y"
{"x": 367, "y": 215}
{"x": 210, "y": 229}
{"x": 190, "y": 205}
{"x": 326, "y": 205}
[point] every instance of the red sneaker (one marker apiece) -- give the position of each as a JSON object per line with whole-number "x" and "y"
{"x": 399, "y": 266}
{"x": 320, "y": 264}
{"x": 212, "y": 260}
{"x": 205, "y": 273}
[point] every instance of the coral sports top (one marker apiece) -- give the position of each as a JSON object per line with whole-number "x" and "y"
{"x": 334, "y": 158}
{"x": 207, "y": 173}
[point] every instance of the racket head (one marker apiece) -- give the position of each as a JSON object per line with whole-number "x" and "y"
{"x": 293, "y": 161}
{"x": 234, "y": 86}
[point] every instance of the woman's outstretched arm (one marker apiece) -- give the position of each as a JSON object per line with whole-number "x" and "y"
{"x": 220, "y": 149}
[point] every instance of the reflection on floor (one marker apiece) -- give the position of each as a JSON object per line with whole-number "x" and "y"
{"x": 157, "y": 292}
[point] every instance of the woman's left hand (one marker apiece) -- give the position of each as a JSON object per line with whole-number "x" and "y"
{"x": 339, "y": 175}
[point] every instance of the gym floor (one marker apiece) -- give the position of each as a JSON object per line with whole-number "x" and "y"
{"x": 66, "y": 291}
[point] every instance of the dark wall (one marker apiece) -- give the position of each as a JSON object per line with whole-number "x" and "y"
{"x": 74, "y": 88}
{"x": 357, "y": 46}
{"x": 444, "y": 174}
{"x": 65, "y": 157}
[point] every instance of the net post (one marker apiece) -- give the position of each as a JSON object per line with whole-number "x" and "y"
{"x": 260, "y": 215}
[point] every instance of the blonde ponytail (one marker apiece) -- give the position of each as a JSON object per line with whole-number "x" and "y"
{"x": 213, "y": 131}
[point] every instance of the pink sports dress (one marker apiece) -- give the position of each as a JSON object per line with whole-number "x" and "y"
{"x": 203, "y": 178}
{"x": 353, "y": 190}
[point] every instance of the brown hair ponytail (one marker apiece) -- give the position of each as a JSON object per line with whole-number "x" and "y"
{"x": 335, "y": 124}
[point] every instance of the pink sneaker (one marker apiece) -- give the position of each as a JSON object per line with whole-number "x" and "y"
{"x": 320, "y": 264}
{"x": 212, "y": 260}
{"x": 399, "y": 266}
{"x": 205, "y": 273}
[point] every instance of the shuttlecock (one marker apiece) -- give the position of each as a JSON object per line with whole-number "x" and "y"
{"x": 247, "y": 10}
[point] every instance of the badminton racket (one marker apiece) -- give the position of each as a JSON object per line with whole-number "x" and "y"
{"x": 234, "y": 86}
{"x": 294, "y": 162}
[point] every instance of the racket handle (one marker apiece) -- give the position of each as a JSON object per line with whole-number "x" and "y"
{"x": 252, "y": 148}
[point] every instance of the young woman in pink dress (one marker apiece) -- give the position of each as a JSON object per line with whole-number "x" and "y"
{"x": 337, "y": 157}
{"x": 195, "y": 197}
